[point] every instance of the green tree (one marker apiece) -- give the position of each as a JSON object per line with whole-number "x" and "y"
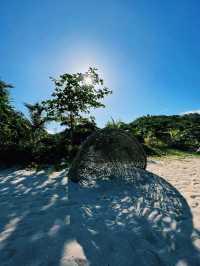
{"x": 4, "y": 94}
{"x": 5, "y": 113}
{"x": 74, "y": 96}
{"x": 13, "y": 127}
{"x": 37, "y": 116}
{"x": 37, "y": 122}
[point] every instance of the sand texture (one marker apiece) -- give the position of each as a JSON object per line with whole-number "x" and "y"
{"x": 184, "y": 175}
{"x": 46, "y": 220}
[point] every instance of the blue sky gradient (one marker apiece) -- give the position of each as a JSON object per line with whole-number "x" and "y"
{"x": 147, "y": 51}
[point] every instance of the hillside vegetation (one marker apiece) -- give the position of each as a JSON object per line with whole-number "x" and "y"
{"x": 180, "y": 132}
{"x": 160, "y": 134}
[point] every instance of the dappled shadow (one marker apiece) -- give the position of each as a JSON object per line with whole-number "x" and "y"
{"x": 144, "y": 221}
{"x": 34, "y": 217}
{"x": 47, "y": 221}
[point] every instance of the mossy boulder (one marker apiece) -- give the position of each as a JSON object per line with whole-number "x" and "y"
{"x": 107, "y": 153}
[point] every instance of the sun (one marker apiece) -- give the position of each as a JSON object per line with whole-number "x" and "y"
{"x": 88, "y": 81}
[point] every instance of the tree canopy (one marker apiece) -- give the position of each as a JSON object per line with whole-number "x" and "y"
{"x": 74, "y": 95}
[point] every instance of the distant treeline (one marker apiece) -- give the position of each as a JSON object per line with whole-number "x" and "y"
{"x": 25, "y": 140}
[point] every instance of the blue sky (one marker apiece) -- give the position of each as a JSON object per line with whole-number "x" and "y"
{"x": 147, "y": 51}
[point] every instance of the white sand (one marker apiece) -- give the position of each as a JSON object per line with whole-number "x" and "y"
{"x": 47, "y": 221}
{"x": 183, "y": 174}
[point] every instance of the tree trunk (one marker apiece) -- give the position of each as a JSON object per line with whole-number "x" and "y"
{"x": 71, "y": 130}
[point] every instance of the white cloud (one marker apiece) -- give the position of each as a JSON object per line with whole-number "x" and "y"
{"x": 191, "y": 112}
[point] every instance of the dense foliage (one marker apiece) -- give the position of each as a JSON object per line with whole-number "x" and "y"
{"x": 25, "y": 140}
{"x": 177, "y": 131}
{"x": 164, "y": 132}
{"x": 14, "y": 129}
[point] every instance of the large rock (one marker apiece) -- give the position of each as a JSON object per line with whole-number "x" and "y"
{"x": 107, "y": 153}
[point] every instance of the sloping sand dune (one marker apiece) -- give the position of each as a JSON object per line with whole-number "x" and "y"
{"x": 46, "y": 220}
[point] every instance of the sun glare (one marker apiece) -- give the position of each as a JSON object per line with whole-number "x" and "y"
{"x": 88, "y": 81}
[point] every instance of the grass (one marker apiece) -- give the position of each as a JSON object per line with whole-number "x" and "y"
{"x": 174, "y": 154}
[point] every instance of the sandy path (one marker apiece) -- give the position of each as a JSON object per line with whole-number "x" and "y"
{"x": 184, "y": 174}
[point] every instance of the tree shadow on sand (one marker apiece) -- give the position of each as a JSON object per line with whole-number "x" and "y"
{"x": 34, "y": 217}
{"x": 46, "y": 220}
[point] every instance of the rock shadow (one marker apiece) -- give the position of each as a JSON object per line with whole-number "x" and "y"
{"x": 47, "y": 221}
